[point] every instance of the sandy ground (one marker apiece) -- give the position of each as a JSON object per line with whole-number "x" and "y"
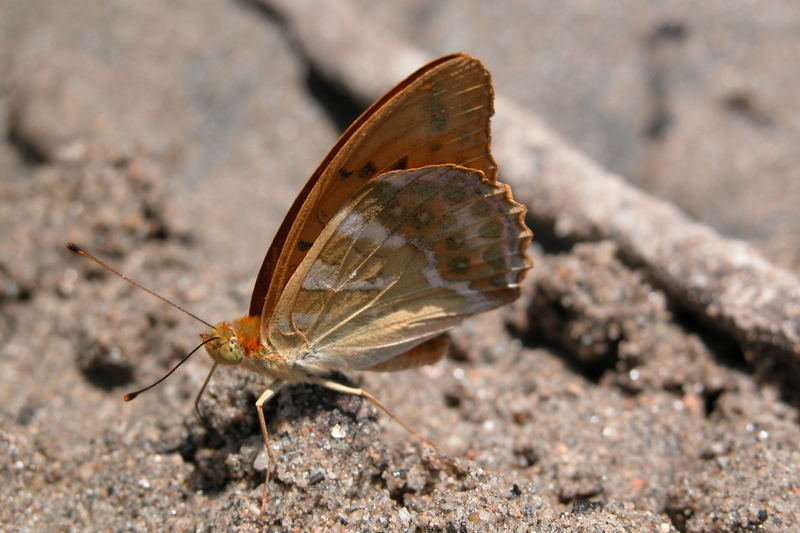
{"x": 170, "y": 141}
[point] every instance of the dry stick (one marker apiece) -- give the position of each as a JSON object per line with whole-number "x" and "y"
{"x": 724, "y": 282}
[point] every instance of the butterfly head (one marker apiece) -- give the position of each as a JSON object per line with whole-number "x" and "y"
{"x": 223, "y": 345}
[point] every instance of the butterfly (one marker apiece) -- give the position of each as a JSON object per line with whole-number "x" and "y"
{"x": 401, "y": 233}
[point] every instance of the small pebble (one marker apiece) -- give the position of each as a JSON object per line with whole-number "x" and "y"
{"x": 261, "y": 461}
{"x": 337, "y": 432}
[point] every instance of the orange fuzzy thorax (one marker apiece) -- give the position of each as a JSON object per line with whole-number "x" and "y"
{"x": 247, "y": 331}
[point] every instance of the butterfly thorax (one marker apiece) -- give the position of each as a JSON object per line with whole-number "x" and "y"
{"x": 238, "y": 342}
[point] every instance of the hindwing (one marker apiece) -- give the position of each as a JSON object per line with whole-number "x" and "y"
{"x": 412, "y": 254}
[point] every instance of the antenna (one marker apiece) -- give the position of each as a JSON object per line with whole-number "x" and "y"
{"x": 131, "y": 395}
{"x": 80, "y": 251}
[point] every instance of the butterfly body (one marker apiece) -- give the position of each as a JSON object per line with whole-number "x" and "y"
{"x": 238, "y": 343}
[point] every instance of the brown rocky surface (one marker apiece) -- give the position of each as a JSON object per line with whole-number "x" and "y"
{"x": 620, "y": 393}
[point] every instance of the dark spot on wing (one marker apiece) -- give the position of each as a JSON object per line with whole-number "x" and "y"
{"x": 392, "y": 216}
{"x": 455, "y": 241}
{"x": 344, "y": 173}
{"x": 368, "y": 170}
{"x": 401, "y": 164}
{"x": 383, "y": 190}
{"x": 421, "y": 218}
{"x": 304, "y": 246}
{"x": 495, "y": 257}
{"x": 459, "y": 265}
{"x": 437, "y": 113}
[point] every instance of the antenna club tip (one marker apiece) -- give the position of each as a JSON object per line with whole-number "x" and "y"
{"x": 71, "y": 246}
{"x": 130, "y": 396}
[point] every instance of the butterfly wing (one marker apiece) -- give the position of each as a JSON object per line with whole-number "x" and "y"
{"x": 427, "y": 353}
{"x": 439, "y": 114}
{"x": 411, "y": 255}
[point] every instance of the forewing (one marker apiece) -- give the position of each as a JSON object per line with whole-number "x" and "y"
{"x": 439, "y": 114}
{"x": 410, "y": 256}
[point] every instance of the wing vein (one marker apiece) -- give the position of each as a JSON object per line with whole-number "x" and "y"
{"x": 390, "y": 232}
{"x": 360, "y": 310}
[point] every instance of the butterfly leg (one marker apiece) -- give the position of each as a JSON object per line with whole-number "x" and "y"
{"x": 338, "y": 387}
{"x": 273, "y": 388}
{"x": 199, "y": 394}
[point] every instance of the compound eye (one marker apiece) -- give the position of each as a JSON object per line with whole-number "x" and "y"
{"x": 231, "y": 352}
